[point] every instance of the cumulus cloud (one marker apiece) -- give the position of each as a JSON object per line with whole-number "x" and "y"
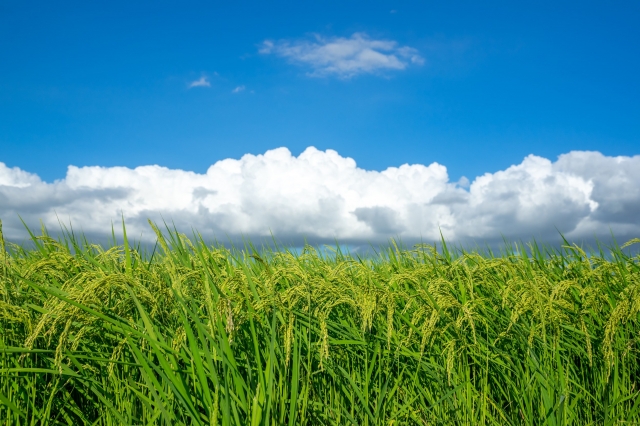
{"x": 202, "y": 82}
{"x": 321, "y": 196}
{"x": 238, "y": 89}
{"x": 344, "y": 57}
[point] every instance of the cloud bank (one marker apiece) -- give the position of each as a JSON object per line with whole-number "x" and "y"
{"x": 344, "y": 57}
{"x": 321, "y": 196}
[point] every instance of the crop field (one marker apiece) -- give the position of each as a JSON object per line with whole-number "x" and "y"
{"x": 194, "y": 334}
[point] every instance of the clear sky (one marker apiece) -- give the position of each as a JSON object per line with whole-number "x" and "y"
{"x": 474, "y": 86}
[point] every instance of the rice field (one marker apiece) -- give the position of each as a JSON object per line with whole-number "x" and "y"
{"x": 194, "y": 334}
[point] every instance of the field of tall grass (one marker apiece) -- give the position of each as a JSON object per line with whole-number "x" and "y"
{"x": 195, "y": 334}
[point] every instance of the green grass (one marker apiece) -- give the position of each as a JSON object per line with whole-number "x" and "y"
{"x": 194, "y": 334}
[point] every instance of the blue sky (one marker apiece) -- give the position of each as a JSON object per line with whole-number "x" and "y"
{"x": 477, "y": 86}
{"x": 106, "y": 84}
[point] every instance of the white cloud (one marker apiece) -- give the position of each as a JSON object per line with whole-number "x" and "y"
{"x": 344, "y": 57}
{"x": 238, "y": 89}
{"x": 202, "y": 82}
{"x": 16, "y": 178}
{"x": 320, "y": 195}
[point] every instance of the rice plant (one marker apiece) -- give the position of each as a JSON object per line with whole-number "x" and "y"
{"x": 196, "y": 334}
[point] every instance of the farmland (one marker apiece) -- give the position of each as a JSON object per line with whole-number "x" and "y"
{"x": 189, "y": 333}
